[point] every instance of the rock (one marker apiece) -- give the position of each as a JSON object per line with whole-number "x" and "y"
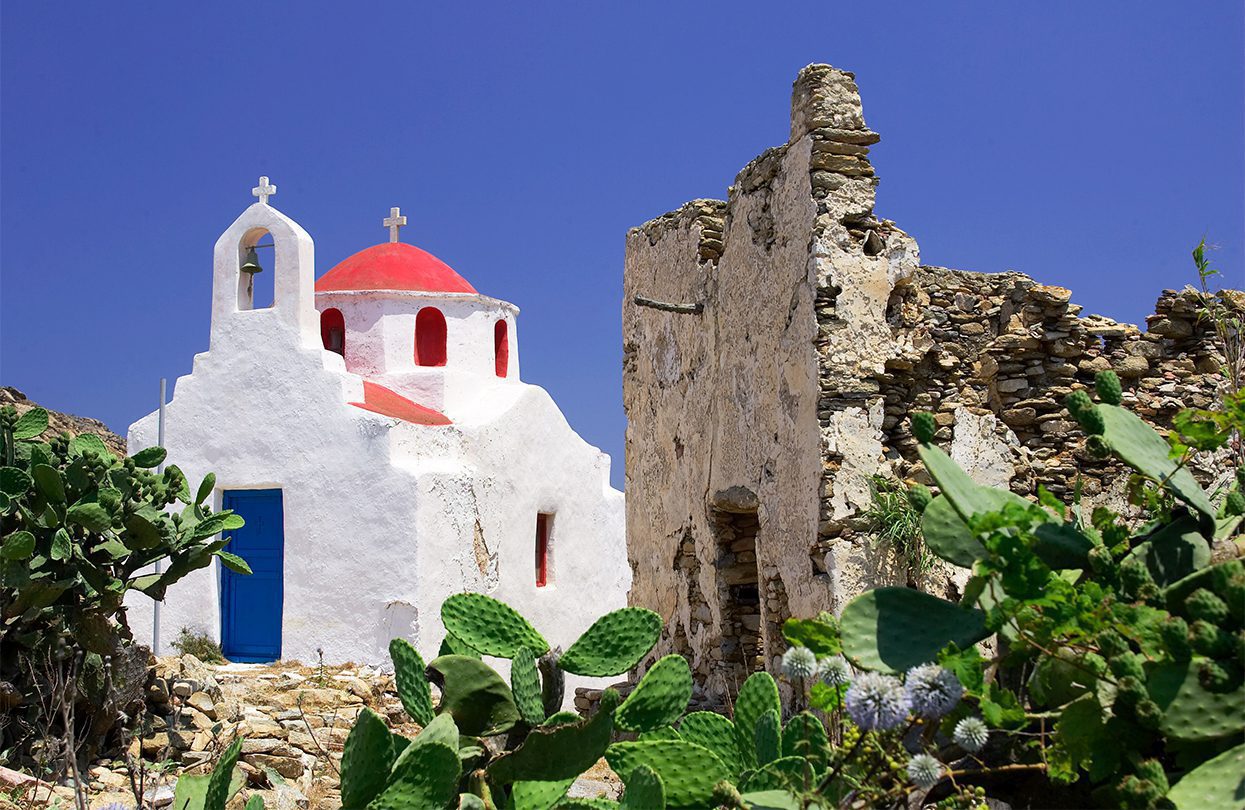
{"x": 289, "y": 767}
{"x": 183, "y": 689}
{"x": 201, "y": 701}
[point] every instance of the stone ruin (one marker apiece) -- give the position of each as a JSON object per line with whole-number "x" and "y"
{"x": 774, "y": 345}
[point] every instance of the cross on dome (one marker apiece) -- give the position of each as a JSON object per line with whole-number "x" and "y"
{"x": 394, "y": 221}
{"x": 264, "y": 190}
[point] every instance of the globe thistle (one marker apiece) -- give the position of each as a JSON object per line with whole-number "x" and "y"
{"x": 876, "y": 702}
{"x": 833, "y": 671}
{"x": 799, "y": 662}
{"x": 971, "y": 734}
{"x": 924, "y": 770}
{"x": 932, "y": 691}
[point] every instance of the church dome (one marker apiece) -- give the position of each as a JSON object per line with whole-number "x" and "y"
{"x": 393, "y": 266}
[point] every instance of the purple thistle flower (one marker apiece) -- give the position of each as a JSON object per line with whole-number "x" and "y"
{"x": 876, "y": 702}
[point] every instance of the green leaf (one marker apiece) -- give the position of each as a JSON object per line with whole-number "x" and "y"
{"x": 967, "y": 665}
{"x": 1002, "y": 709}
{"x": 475, "y": 695}
{"x": 14, "y": 482}
{"x": 18, "y": 546}
{"x": 490, "y": 626}
{"x": 48, "y": 483}
{"x": 758, "y": 695}
{"x": 687, "y": 771}
{"x": 1083, "y": 742}
{"x": 90, "y": 516}
{"x": 614, "y": 643}
{"x": 659, "y": 698}
{"x": 1174, "y": 551}
{"x": 140, "y": 532}
{"x": 1143, "y": 449}
{"x": 408, "y": 673}
{"x": 220, "y": 786}
{"x": 552, "y": 753}
{"x": 427, "y": 778}
{"x": 644, "y": 790}
{"x": 525, "y": 685}
{"x": 821, "y": 635}
{"x": 205, "y": 488}
{"x": 31, "y": 424}
{"x": 90, "y": 444}
{"x": 233, "y": 562}
{"x": 62, "y": 547}
{"x": 895, "y": 629}
{"x": 149, "y": 457}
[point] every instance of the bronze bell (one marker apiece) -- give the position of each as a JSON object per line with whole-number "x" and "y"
{"x": 251, "y": 266}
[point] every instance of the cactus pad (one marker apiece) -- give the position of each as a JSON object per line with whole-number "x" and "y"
{"x": 1190, "y": 713}
{"x": 1218, "y": 782}
{"x": 1107, "y": 383}
{"x": 367, "y": 756}
{"x": 768, "y": 738}
{"x": 614, "y": 643}
{"x": 661, "y": 733}
{"x": 559, "y": 752}
{"x": 715, "y": 732}
{"x": 895, "y": 629}
{"x": 475, "y": 695}
{"x": 408, "y": 672}
{"x": 758, "y": 695}
{"x": 644, "y": 790}
{"x": 525, "y": 684}
{"x": 1139, "y": 446}
{"x": 1173, "y": 552}
{"x": 687, "y": 771}
{"x": 947, "y": 535}
{"x": 805, "y": 736}
{"x": 534, "y": 795}
{"x": 659, "y": 698}
{"x": 788, "y": 773}
{"x": 490, "y": 626}
{"x": 428, "y": 777}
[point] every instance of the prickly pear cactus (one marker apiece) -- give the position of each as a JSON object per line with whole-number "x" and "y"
{"x": 715, "y": 732}
{"x": 478, "y": 699}
{"x": 805, "y": 737}
{"x": 1218, "y": 782}
{"x": 688, "y": 771}
{"x": 644, "y": 790}
{"x": 552, "y": 753}
{"x": 525, "y": 684}
{"x": 427, "y": 777}
{"x": 768, "y": 738}
{"x": 1190, "y": 712}
{"x": 659, "y": 698}
{"x": 367, "y": 756}
{"x": 1141, "y": 448}
{"x": 408, "y": 673}
{"x": 758, "y": 695}
{"x": 895, "y": 629}
{"x": 615, "y": 643}
{"x": 787, "y": 773}
{"x": 490, "y": 626}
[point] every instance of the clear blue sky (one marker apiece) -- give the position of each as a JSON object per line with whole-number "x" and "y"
{"x": 1089, "y": 144}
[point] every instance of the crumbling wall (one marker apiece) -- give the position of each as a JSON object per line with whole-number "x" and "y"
{"x": 794, "y": 333}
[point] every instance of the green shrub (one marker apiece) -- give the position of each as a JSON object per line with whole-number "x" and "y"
{"x": 199, "y": 645}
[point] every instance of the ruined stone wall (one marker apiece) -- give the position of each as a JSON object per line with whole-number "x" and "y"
{"x": 805, "y": 332}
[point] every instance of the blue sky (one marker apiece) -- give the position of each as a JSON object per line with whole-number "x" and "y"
{"x": 1089, "y": 144}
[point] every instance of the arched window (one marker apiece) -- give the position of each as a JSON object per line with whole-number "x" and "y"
{"x": 430, "y": 337}
{"x": 333, "y": 331}
{"x": 256, "y": 289}
{"x": 501, "y": 348}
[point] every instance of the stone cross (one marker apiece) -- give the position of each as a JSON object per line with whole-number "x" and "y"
{"x": 264, "y": 190}
{"x": 394, "y": 221}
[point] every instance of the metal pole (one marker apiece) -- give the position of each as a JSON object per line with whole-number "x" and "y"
{"x": 155, "y": 616}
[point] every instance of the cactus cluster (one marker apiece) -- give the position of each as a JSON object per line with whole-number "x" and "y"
{"x": 1135, "y": 632}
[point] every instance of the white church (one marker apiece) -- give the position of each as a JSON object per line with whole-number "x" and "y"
{"x": 372, "y": 428}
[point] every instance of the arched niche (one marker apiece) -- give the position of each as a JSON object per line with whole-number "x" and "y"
{"x": 256, "y": 290}
{"x": 501, "y": 348}
{"x": 430, "y": 337}
{"x": 333, "y": 331}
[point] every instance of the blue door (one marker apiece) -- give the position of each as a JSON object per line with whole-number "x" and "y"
{"x": 250, "y": 606}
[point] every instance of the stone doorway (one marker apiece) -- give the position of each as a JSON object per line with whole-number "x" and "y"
{"x": 739, "y": 595}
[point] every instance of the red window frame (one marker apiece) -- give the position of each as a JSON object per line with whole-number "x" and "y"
{"x": 430, "y": 337}
{"x": 332, "y": 322}
{"x": 501, "y": 348}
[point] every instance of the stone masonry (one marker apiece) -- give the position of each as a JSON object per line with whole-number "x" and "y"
{"x": 805, "y": 331}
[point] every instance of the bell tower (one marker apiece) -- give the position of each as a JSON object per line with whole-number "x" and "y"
{"x": 264, "y": 240}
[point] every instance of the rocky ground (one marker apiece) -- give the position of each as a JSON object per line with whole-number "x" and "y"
{"x": 294, "y": 720}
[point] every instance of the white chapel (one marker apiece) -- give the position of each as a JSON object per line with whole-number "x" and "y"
{"x": 372, "y": 428}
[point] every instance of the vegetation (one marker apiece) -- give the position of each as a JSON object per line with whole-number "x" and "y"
{"x": 894, "y": 518}
{"x": 78, "y": 527}
{"x": 200, "y": 645}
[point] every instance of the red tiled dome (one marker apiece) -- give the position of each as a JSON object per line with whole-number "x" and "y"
{"x": 393, "y": 266}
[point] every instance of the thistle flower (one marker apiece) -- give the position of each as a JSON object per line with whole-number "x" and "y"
{"x": 971, "y": 734}
{"x": 799, "y": 662}
{"x": 932, "y": 690}
{"x": 924, "y": 770}
{"x": 876, "y": 702}
{"x": 833, "y": 671}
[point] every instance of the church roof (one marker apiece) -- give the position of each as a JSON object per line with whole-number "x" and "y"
{"x": 379, "y": 399}
{"x": 393, "y": 266}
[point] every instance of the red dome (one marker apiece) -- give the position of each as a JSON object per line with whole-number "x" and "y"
{"x": 393, "y": 266}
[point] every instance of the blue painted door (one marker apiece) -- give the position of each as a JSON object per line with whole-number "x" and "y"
{"x": 250, "y": 606}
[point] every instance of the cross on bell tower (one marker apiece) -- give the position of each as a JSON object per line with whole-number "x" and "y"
{"x": 394, "y": 221}
{"x": 264, "y": 190}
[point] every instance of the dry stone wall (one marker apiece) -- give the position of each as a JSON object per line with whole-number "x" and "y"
{"x": 795, "y": 332}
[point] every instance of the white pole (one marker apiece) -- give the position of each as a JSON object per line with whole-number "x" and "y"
{"x": 155, "y": 616}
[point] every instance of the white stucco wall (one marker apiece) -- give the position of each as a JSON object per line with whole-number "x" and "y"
{"x": 383, "y": 519}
